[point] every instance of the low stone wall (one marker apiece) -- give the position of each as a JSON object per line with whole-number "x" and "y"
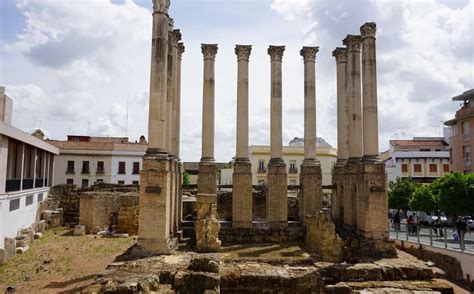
{"x": 66, "y": 198}
{"x": 256, "y": 235}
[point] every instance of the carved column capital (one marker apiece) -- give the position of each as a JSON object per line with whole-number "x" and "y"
{"x": 170, "y": 24}
{"x": 276, "y": 52}
{"x": 180, "y": 49}
{"x": 352, "y": 42}
{"x": 309, "y": 53}
{"x": 243, "y": 52}
{"x": 209, "y": 50}
{"x": 161, "y": 6}
{"x": 341, "y": 54}
{"x": 368, "y": 29}
{"x": 175, "y": 37}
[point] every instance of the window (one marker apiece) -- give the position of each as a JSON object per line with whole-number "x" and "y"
{"x": 121, "y": 168}
{"x": 404, "y": 168}
{"x": 136, "y": 168}
{"x": 40, "y": 197}
{"x": 446, "y": 168}
{"x": 70, "y": 167}
{"x": 70, "y": 181}
{"x": 293, "y": 166}
{"x": 433, "y": 168}
{"x": 29, "y": 200}
{"x": 14, "y": 204}
{"x": 85, "y": 167}
{"x": 465, "y": 127}
{"x": 454, "y": 131}
{"x": 261, "y": 165}
{"x": 417, "y": 168}
{"x": 121, "y": 182}
{"x": 100, "y": 167}
{"x": 466, "y": 151}
{"x": 136, "y": 183}
{"x": 85, "y": 183}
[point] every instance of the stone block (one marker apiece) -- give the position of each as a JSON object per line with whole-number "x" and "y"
{"x": 321, "y": 236}
{"x": 337, "y": 199}
{"x": 350, "y": 193}
{"x": 207, "y": 178}
{"x": 277, "y": 194}
{"x": 242, "y": 195}
{"x": 79, "y": 230}
{"x": 311, "y": 192}
{"x": 20, "y": 250}
{"x": 41, "y": 226}
{"x": 207, "y": 225}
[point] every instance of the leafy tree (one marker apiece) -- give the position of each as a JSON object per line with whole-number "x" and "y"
{"x": 186, "y": 178}
{"x": 399, "y": 193}
{"x": 454, "y": 192}
{"x": 423, "y": 199}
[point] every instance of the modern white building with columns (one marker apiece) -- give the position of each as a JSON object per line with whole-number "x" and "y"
{"x": 26, "y": 174}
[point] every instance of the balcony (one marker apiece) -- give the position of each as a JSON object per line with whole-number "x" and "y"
{"x": 85, "y": 171}
{"x": 262, "y": 170}
{"x": 293, "y": 171}
{"x": 70, "y": 171}
{"x": 13, "y": 185}
{"x": 99, "y": 172}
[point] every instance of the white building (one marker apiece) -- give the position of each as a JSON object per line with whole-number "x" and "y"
{"x": 26, "y": 174}
{"x": 84, "y": 160}
{"x": 423, "y": 159}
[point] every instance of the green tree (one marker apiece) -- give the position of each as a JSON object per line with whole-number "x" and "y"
{"x": 399, "y": 193}
{"x": 454, "y": 192}
{"x": 423, "y": 199}
{"x": 185, "y": 178}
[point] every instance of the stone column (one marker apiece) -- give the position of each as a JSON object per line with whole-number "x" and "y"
{"x": 170, "y": 88}
{"x": 338, "y": 172}
{"x": 158, "y": 78}
{"x": 176, "y": 64}
{"x": 207, "y": 224}
{"x": 207, "y": 178}
{"x": 369, "y": 80}
{"x": 277, "y": 202}
{"x": 178, "y": 136}
{"x": 155, "y": 177}
{"x": 354, "y": 97}
{"x": 355, "y": 130}
{"x": 310, "y": 177}
{"x": 242, "y": 177}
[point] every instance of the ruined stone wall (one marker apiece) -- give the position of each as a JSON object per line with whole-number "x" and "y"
{"x": 64, "y": 197}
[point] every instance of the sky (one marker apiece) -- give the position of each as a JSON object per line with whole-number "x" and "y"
{"x": 70, "y": 66}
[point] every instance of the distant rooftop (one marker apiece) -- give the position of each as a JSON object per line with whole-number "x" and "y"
{"x": 75, "y": 142}
{"x": 420, "y": 143}
{"x": 320, "y": 142}
{"x": 467, "y": 95}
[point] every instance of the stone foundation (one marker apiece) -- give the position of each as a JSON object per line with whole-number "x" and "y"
{"x": 311, "y": 192}
{"x": 277, "y": 211}
{"x": 207, "y": 224}
{"x": 321, "y": 237}
{"x": 155, "y": 203}
{"x": 232, "y": 235}
{"x": 337, "y": 201}
{"x": 242, "y": 195}
{"x": 350, "y": 193}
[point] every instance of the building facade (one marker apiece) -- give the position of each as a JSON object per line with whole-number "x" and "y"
{"x": 85, "y": 160}
{"x": 461, "y": 140}
{"x": 26, "y": 174}
{"x": 423, "y": 159}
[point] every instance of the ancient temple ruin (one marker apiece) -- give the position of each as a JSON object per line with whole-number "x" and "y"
{"x": 359, "y": 205}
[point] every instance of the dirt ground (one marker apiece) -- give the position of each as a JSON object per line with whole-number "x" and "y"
{"x": 61, "y": 262}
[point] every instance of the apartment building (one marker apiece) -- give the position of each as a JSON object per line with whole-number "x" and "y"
{"x": 85, "y": 160}
{"x": 461, "y": 139}
{"x": 423, "y": 159}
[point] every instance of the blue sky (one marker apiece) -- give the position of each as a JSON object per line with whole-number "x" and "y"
{"x": 70, "y": 63}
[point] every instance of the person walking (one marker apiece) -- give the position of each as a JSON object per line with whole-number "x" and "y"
{"x": 461, "y": 228}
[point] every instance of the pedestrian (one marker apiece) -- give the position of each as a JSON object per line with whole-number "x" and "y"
{"x": 410, "y": 224}
{"x": 461, "y": 228}
{"x": 396, "y": 220}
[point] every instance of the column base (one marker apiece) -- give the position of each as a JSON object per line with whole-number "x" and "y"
{"x": 207, "y": 225}
{"x": 207, "y": 177}
{"x": 277, "y": 194}
{"x": 350, "y": 187}
{"x": 337, "y": 199}
{"x": 242, "y": 194}
{"x": 311, "y": 192}
{"x": 155, "y": 203}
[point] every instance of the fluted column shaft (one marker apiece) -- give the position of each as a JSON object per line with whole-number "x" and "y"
{"x": 342, "y": 106}
{"x": 369, "y": 78}
{"x": 178, "y": 98}
{"x": 242, "y": 138}
{"x": 309, "y": 57}
{"x": 354, "y": 96}
{"x": 209, "y": 51}
{"x": 158, "y": 79}
{"x": 170, "y": 86}
{"x": 176, "y": 37}
{"x": 276, "y": 148}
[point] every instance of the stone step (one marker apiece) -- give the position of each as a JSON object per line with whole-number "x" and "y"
{"x": 432, "y": 286}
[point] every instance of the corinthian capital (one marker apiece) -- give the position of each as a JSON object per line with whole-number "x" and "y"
{"x": 175, "y": 37}
{"x": 309, "y": 53}
{"x": 209, "y": 50}
{"x": 276, "y": 52}
{"x": 368, "y": 29}
{"x": 243, "y": 52}
{"x": 352, "y": 42}
{"x": 180, "y": 49}
{"x": 161, "y": 6}
{"x": 341, "y": 54}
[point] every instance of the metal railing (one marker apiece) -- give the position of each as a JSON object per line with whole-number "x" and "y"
{"x": 442, "y": 237}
